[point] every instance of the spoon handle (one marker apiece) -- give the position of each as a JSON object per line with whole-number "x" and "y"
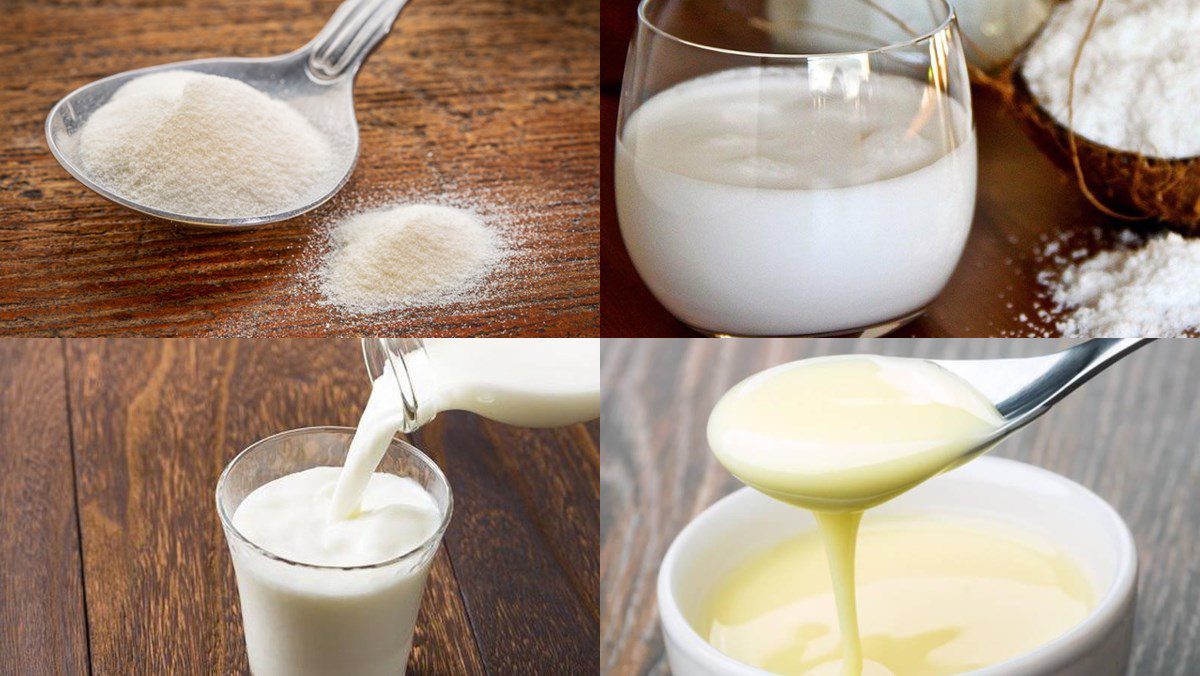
{"x": 352, "y": 33}
{"x": 1073, "y": 368}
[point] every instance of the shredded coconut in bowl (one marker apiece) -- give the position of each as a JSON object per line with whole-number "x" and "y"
{"x": 1136, "y": 87}
{"x": 406, "y": 256}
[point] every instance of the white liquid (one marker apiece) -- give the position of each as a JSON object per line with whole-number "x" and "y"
{"x": 753, "y": 204}
{"x": 308, "y": 621}
{"x": 540, "y": 382}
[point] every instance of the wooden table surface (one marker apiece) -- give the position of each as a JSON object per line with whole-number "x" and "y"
{"x": 112, "y": 558}
{"x": 1024, "y": 202}
{"x": 1130, "y": 435}
{"x": 489, "y": 102}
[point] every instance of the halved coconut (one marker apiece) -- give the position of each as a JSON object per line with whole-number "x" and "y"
{"x": 1120, "y": 183}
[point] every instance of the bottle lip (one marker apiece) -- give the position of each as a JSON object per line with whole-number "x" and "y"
{"x": 378, "y": 352}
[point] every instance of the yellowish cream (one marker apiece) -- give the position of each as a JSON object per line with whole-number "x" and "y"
{"x": 936, "y": 595}
{"x": 848, "y": 432}
{"x": 838, "y": 435}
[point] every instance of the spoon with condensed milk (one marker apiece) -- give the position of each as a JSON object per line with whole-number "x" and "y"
{"x": 845, "y": 433}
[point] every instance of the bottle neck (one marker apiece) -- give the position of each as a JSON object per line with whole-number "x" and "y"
{"x": 404, "y": 363}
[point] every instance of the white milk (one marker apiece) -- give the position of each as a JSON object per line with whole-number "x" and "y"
{"x": 749, "y": 209}
{"x": 542, "y": 382}
{"x": 310, "y": 621}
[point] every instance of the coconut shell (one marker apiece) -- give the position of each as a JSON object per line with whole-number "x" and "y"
{"x": 1120, "y": 183}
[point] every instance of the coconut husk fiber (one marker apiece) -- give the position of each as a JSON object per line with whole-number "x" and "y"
{"x": 1124, "y": 185}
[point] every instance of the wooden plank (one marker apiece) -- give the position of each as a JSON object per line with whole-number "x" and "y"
{"x": 156, "y": 422}
{"x": 526, "y": 611}
{"x": 1130, "y": 435}
{"x": 488, "y": 102}
{"x": 557, "y": 475}
{"x": 43, "y": 629}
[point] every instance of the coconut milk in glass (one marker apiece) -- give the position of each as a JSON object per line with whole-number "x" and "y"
{"x": 795, "y": 167}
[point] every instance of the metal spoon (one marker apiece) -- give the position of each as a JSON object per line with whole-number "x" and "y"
{"x": 317, "y": 80}
{"x": 1023, "y": 389}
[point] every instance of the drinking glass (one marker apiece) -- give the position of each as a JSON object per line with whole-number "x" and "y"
{"x": 795, "y": 167}
{"x": 302, "y": 619}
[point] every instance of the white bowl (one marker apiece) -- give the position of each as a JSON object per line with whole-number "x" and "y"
{"x": 1038, "y": 501}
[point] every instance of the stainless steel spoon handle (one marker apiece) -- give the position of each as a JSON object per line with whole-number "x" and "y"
{"x": 1073, "y": 368}
{"x": 356, "y": 28}
{"x": 1024, "y": 389}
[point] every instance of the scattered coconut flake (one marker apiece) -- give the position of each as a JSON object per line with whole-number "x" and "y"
{"x": 1149, "y": 290}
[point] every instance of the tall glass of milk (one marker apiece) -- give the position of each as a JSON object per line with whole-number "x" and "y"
{"x": 307, "y": 619}
{"x": 795, "y": 167}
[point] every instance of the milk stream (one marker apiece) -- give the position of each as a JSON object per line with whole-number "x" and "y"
{"x": 777, "y": 201}
{"x": 838, "y": 435}
{"x": 544, "y": 382}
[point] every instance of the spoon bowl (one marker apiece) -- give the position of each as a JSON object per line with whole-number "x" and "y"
{"x": 316, "y": 80}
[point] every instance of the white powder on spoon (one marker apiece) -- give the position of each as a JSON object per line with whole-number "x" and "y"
{"x": 1151, "y": 290}
{"x": 406, "y": 256}
{"x": 204, "y": 145}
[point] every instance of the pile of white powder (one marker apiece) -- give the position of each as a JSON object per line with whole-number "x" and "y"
{"x": 1137, "y": 88}
{"x": 203, "y": 145}
{"x": 406, "y": 256}
{"x": 1151, "y": 290}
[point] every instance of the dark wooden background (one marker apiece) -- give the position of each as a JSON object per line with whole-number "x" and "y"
{"x": 112, "y": 558}
{"x": 1023, "y": 202}
{"x": 1130, "y": 435}
{"x": 493, "y": 100}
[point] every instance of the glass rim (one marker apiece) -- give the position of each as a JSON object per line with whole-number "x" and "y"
{"x": 923, "y": 37}
{"x": 434, "y": 538}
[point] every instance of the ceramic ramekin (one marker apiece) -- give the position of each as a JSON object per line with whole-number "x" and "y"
{"x": 1035, "y": 500}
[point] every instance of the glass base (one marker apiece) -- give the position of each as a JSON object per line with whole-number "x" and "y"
{"x": 872, "y": 331}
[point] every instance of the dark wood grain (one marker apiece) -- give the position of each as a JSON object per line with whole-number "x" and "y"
{"x": 1023, "y": 202}
{"x": 556, "y": 474}
{"x": 42, "y": 625}
{"x": 1129, "y": 435}
{"x": 527, "y": 614}
{"x": 482, "y": 101}
{"x": 154, "y": 423}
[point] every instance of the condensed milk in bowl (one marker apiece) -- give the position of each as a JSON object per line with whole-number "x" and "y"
{"x": 864, "y": 546}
